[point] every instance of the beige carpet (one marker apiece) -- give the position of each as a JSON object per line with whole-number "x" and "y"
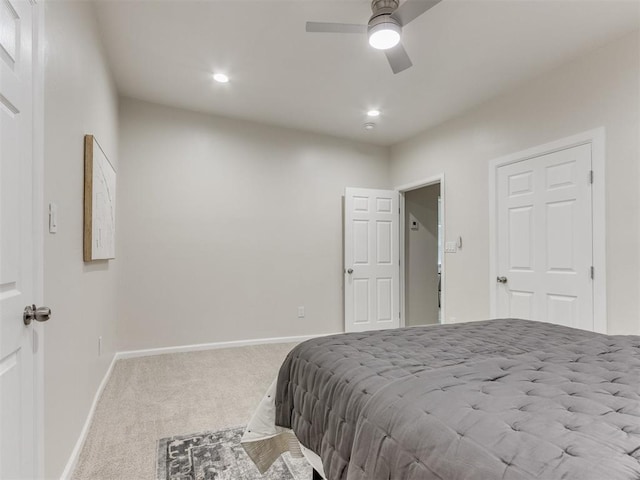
{"x": 151, "y": 398}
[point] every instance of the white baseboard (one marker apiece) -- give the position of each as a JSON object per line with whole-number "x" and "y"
{"x": 75, "y": 453}
{"x": 73, "y": 459}
{"x": 215, "y": 345}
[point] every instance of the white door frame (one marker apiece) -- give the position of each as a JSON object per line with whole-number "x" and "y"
{"x": 596, "y": 138}
{"x": 402, "y": 189}
{"x": 38, "y": 225}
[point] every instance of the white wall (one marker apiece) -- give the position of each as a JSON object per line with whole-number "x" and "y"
{"x": 226, "y": 227}
{"x": 599, "y": 89}
{"x": 421, "y": 256}
{"x": 79, "y": 98}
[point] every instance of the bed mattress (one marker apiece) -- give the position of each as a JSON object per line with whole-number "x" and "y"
{"x": 501, "y": 399}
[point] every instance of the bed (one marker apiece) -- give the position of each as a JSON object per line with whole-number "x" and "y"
{"x": 502, "y": 399}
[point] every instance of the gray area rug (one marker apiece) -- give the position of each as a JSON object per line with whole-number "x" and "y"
{"x": 219, "y": 455}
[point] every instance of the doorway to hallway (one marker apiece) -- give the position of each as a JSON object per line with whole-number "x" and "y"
{"x": 422, "y": 243}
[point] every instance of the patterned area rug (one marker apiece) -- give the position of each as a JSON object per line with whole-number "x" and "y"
{"x": 219, "y": 456}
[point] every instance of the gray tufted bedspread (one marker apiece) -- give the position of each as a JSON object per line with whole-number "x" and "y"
{"x": 502, "y": 399}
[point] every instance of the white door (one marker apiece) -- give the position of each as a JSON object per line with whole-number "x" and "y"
{"x": 372, "y": 260}
{"x": 17, "y": 288}
{"x": 545, "y": 239}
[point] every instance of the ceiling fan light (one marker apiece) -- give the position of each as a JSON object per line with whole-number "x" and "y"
{"x": 384, "y": 36}
{"x": 221, "y": 78}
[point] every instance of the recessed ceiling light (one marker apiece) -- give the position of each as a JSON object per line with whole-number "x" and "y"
{"x": 373, "y": 113}
{"x": 221, "y": 78}
{"x": 369, "y": 126}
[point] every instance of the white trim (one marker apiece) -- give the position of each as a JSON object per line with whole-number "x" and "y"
{"x": 439, "y": 178}
{"x": 402, "y": 189}
{"x": 75, "y": 453}
{"x": 215, "y": 345}
{"x": 599, "y": 225}
{"x": 38, "y": 229}
{"x": 596, "y": 138}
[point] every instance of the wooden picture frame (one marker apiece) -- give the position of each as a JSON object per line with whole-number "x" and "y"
{"x": 99, "y": 203}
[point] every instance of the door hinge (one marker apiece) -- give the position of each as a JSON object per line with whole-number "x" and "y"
{"x": 591, "y": 177}
{"x": 592, "y": 272}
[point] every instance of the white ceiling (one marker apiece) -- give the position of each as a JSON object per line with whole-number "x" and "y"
{"x": 464, "y": 52}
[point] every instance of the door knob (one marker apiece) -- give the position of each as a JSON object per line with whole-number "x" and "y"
{"x": 40, "y": 314}
{"x": 350, "y": 271}
{"x": 501, "y": 279}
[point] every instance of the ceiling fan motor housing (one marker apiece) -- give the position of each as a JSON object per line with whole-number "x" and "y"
{"x": 383, "y": 7}
{"x": 382, "y": 10}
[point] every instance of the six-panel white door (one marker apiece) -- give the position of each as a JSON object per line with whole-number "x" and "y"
{"x": 545, "y": 239}
{"x": 371, "y": 252}
{"x": 17, "y": 437}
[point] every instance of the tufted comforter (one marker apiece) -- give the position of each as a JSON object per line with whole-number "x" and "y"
{"x": 502, "y": 399}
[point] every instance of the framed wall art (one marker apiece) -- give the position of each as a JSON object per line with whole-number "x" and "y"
{"x": 99, "y": 203}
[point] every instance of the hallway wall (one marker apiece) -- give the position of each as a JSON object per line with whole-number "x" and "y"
{"x": 421, "y": 256}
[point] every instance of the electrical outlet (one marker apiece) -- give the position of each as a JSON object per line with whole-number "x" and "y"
{"x": 300, "y": 312}
{"x": 100, "y": 346}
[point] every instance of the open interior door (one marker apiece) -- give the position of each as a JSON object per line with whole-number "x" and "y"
{"x": 372, "y": 260}
{"x": 18, "y": 445}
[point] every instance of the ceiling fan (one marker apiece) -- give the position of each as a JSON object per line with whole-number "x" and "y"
{"x": 384, "y": 28}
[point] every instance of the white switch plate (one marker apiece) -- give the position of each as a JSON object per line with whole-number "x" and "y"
{"x": 53, "y": 218}
{"x": 300, "y": 312}
{"x": 450, "y": 247}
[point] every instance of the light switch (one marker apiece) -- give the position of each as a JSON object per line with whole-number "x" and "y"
{"x": 450, "y": 247}
{"x": 53, "y": 218}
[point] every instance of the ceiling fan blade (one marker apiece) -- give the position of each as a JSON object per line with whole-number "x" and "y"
{"x": 320, "y": 27}
{"x": 398, "y": 58}
{"x": 412, "y": 9}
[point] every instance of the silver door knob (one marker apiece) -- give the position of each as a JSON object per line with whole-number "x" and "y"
{"x": 350, "y": 271}
{"x": 501, "y": 279}
{"x": 40, "y": 314}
